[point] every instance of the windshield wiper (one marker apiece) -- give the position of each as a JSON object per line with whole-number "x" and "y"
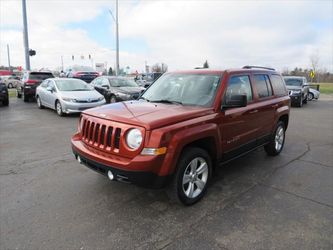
{"x": 167, "y": 101}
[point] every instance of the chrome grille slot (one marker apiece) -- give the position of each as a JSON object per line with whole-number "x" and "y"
{"x": 91, "y": 132}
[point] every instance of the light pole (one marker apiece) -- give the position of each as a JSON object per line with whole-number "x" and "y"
{"x": 117, "y": 37}
{"x": 8, "y": 56}
{"x": 25, "y": 35}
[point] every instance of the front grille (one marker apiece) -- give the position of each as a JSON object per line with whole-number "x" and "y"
{"x": 100, "y": 135}
{"x": 87, "y": 101}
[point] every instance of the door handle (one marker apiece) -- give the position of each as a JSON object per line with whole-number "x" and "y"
{"x": 275, "y": 105}
{"x": 253, "y": 111}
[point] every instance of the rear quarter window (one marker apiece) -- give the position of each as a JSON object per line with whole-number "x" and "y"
{"x": 40, "y": 76}
{"x": 278, "y": 84}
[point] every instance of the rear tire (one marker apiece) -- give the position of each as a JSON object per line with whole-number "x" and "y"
{"x": 39, "y": 103}
{"x": 10, "y": 85}
{"x": 25, "y": 98}
{"x": 18, "y": 95}
{"x": 192, "y": 176}
{"x": 113, "y": 99}
{"x": 275, "y": 146}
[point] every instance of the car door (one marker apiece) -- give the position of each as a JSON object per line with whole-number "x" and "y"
{"x": 42, "y": 91}
{"x": 98, "y": 85}
{"x": 52, "y": 95}
{"x": 265, "y": 105}
{"x": 239, "y": 127}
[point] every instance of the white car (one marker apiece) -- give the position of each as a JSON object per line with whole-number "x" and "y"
{"x": 67, "y": 95}
{"x": 313, "y": 94}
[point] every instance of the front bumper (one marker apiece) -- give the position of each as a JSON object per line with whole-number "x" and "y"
{"x": 141, "y": 170}
{"x": 72, "y": 107}
{"x": 295, "y": 98}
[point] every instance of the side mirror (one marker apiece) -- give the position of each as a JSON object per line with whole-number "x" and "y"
{"x": 49, "y": 89}
{"x": 235, "y": 101}
{"x": 105, "y": 86}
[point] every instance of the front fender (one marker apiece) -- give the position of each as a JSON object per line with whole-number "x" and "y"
{"x": 184, "y": 137}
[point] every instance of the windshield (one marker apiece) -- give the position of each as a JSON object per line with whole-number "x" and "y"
{"x": 293, "y": 81}
{"x": 40, "y": 76}
{"x": 72, "y": 85}
{"x": 186, "y": 89}
{"x": 122, "y": 82}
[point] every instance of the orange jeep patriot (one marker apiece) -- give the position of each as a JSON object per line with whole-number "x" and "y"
{"x": 184, "y": 125}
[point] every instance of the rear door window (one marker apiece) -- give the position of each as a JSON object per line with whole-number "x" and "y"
{"x": 263, "y": 86}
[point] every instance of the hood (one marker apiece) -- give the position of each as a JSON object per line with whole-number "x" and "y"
{"x": 81, "y": 95}
{"x": 130, "y": 90}
{"x": 289, "y": 87}
{"x": 148, "y": 115}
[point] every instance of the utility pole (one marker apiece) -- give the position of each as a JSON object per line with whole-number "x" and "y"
{"x": 117, "y": 37}
{"x": 25, "y": 35}
{"x": 8, "y": 56}
{"x": 62, "y": 63}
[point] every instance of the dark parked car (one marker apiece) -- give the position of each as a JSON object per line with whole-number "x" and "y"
{"x": 30, "y": 81}
{"x": 116, "y": 89}
{"x": 184, "y": 125}
{"x": 84, "y": 73}
{"x": 4, "y": 98}
{"x": 298, "y": 89}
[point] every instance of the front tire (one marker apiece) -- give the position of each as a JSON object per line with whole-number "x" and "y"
{"x": 300, "y": 103}
{"x": 59, "y": 109}
{"x": 5, "y": 102}
{"x": 192, "y": 176}
{"x": 10, "y": 85}
{"x": 275, "y": 146}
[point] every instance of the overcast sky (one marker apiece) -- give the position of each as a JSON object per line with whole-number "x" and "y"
{"x": 182, "y": 34}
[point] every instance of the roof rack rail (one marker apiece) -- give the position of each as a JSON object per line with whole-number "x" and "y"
{"x": 258, "y": 67}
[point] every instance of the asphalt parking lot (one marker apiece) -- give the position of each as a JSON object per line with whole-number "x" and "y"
{"x": 49, "y": 201}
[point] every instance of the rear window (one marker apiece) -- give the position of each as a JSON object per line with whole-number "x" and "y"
{"x": 278, "y": 84}
{"x": 40, "y": 76}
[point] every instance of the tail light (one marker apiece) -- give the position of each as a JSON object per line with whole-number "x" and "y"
{"x": 31, "y": 82}
{"x": 78, "y": 73}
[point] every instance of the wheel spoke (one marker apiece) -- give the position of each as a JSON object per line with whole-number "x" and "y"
{"x": 186, "y": 179}
{"x": 194, "y": 164}
{"x": 202, "y": 168}
{"x": 190, "y": 189}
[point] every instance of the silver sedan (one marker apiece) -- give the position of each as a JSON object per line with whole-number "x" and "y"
{"x": 67, "y": 95}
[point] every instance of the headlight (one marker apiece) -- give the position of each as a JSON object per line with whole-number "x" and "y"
{"x": 68, "y": 99}
{"x": 134, "y": 138}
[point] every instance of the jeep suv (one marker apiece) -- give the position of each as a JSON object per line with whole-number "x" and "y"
{"x": 184, "y": 125}
{"x": 30, "y": 81}
{"x": 298, "y": 89}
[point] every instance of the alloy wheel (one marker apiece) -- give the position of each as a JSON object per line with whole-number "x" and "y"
{"x": 195, "y": 177}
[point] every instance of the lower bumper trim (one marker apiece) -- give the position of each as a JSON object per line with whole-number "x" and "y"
{"x": 144, "y": 179}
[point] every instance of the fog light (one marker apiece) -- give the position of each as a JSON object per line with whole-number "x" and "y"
{"x": 110, "y": 175}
